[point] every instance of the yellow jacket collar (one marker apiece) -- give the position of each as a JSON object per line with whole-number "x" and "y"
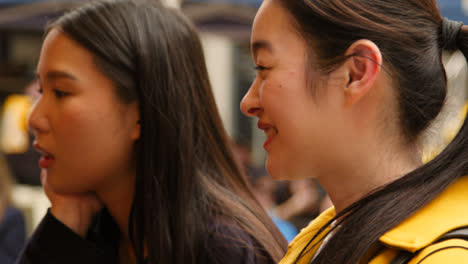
{"x": 447, "y": 212}
{"x": 305, "y": 236}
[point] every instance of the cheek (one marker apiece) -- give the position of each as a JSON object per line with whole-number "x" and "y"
{"x": 81, "y": 133}
{"x": 305, "y": 142}
{"x": 75, "y": 125}
{"x": 88, "y": 155}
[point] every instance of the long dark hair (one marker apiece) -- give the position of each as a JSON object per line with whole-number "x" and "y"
{"x": 408, "y": 34}
{"x": 186, "y": 174}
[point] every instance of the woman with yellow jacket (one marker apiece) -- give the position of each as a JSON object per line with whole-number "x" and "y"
{"x": 344, "y": 90}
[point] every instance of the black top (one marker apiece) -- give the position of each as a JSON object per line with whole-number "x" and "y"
{"x": 55, "y": 243}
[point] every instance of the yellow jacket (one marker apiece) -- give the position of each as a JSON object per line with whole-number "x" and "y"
{"x": 447, "y": 212}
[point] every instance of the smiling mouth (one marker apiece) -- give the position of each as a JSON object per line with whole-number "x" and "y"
{"x": 270, "y": 134}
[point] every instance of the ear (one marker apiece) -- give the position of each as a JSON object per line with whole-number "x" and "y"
{"x": 362, "y": 68}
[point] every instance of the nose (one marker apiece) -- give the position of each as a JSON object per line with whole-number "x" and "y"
{"x": 250, "y": 104}
{"x": 38, "y": 121}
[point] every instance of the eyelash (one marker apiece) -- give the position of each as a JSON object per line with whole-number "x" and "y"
{"x": 260, "y": 68}
{"x": 58, "y": 93}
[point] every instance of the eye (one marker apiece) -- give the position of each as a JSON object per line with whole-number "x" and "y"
{"x": 60, "y": 94}
{"x": 37, "y": 86}
{"x": 261, "y": 71}
{"x": 260, "y": 68}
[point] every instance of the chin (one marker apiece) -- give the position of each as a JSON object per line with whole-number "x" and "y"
{"x": 64, "y": 187}
{"x": 274, "y": 171}
{"x": 280, "y": 173}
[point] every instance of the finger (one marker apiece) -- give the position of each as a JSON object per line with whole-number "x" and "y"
{"x": 44, "y": 181}
{"x": 45, "y": 185}
{"x": 43, "y": 177}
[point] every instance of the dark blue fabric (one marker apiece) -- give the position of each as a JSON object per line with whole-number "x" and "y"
{"x": 12, "y": 235}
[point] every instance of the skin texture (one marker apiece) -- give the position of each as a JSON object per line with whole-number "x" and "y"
{"x": 282, "y": 54}
{"x": 334, "y": 127}
{"x": 90, "y": 133}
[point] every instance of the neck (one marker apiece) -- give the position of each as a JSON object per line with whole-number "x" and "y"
{"x": 118, "y": 198}
{"x": 366, "y": 174}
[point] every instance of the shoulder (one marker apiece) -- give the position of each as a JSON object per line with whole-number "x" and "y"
{"x": 227, "y": 243}
{"x": 449, "y": 251}
{"x": 305, "y": 236}
{"x": 53, "y": 242}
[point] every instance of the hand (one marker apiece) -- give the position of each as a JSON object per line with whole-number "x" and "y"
{"x": 76, "y": 211}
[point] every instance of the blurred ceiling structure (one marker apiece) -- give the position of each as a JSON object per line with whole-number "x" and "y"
{"x": 224, "y": 15}
{"x": 229, "y": 18}
{"x": 234, "y": 16}
{"x": 31, "y": 14}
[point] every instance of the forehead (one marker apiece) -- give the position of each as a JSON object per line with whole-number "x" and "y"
{"x": 61, "y": 52}
{"x": 62, "y": 58}
{"x": 272, "y": 26}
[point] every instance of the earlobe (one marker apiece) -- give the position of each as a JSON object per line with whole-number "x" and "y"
{"x": 363, "y": 68}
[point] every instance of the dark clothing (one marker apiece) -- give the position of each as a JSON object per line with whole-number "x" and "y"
{"x": 12, "y": 235}
{"x": 228, "y": 244}
{"x": 54, "y": 243}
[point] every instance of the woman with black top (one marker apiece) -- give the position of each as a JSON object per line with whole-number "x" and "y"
{"x": 135, "y": 159}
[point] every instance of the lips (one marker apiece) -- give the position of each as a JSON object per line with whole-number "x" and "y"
{"x": 46, "y": 162}
{"x": 46, "y": 159}
{"x": 270, "y": 132}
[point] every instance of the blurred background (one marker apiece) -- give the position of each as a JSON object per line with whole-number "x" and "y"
{"x": 224, "y": 27}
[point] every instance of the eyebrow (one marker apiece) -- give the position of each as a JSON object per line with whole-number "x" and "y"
{"x": 54, "y": 75}
{"x": 261, "y": 44}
